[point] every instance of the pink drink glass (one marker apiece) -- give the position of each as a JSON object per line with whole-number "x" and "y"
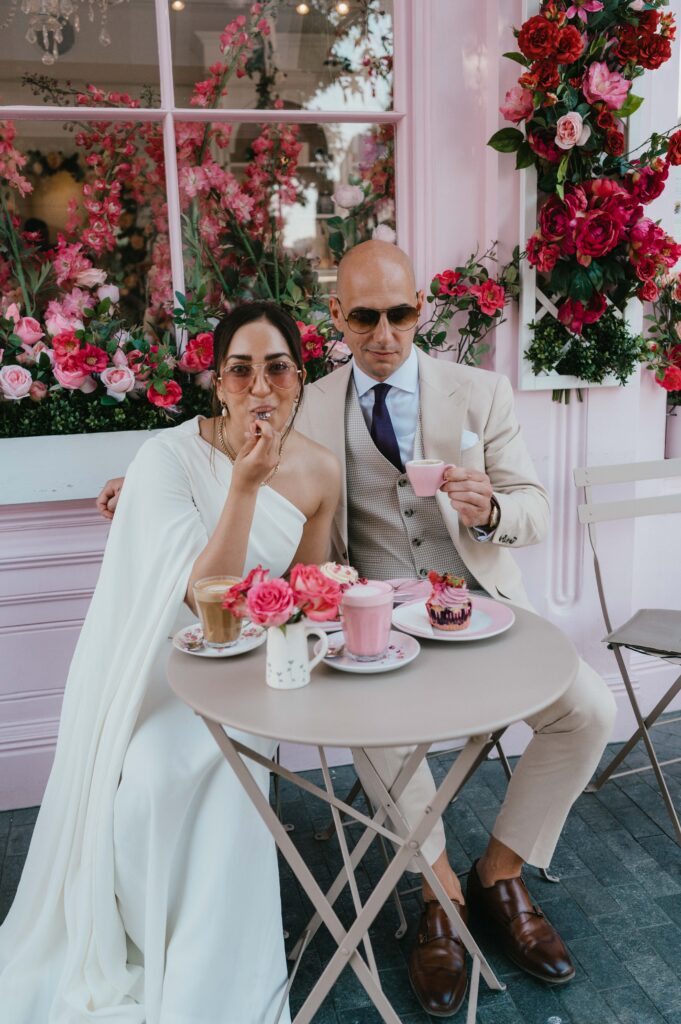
{"x": 366, "y": 614}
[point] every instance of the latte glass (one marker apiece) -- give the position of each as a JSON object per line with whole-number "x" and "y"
{"x": 220, "y": 627}
{"x": 366, "y": 615}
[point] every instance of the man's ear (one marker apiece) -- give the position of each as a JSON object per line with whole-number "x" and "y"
{"x": 420, "y": 299}
{"x": 336, "y": 316}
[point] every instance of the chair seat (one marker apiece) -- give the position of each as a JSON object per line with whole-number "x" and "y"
{"x": 655, "y": 631}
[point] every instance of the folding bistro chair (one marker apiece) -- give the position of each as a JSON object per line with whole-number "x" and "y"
{"x": 652, "y": 631}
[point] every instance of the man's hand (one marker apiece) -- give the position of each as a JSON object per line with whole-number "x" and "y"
{"x": 108, "y": 496}
{"x": 470, "y": 493}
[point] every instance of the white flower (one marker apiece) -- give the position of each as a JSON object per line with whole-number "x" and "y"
{"x": 384, "y": 233}
{"x": 91, "y": 278}
{"x": 347, "y": 196}
{"x": 108, "y": 291}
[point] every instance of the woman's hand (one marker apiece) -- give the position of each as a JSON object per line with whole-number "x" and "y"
{"x": 258, "y": 457}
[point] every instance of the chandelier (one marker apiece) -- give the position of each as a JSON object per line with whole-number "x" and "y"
{"x": 53, "y": 24}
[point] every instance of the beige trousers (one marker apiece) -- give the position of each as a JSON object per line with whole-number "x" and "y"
{"x": 569, "y": 738}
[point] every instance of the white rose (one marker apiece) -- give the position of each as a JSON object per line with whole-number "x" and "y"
{"x": 91, "y": 278}
{"x": 384, "y": 233}
{"x": 108, "y": 291}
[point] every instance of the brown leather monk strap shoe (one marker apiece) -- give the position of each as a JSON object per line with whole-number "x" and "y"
{"x": 528, "y": 939}
{"x": 437, "y": 966}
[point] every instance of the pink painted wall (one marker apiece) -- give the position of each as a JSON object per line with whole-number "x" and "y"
{"x": 455, "y": 195}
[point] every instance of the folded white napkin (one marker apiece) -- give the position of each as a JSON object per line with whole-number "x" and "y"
{"x": 468, "y": 439}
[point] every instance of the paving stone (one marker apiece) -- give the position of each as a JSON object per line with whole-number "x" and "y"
{"x": 537, "y": 1003}
{"x": 599, "y": 963}
{"x": 632, "y": 1006}
{"x": 584, "y": 1005}
{"x": 659, "y": 982}
{"x": 671, "y": 905}
{"x": 501, "y": 1011}
{"x": 593, "y": 897}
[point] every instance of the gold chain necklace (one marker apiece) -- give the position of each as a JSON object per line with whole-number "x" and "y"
{"x": 231, "y": 455}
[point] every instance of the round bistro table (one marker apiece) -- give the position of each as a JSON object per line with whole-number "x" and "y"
{"x": 471, "y": 690}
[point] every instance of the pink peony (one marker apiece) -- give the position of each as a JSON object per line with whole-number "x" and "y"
{"x": 271, "y": 603}
{"x": 348, "y": 196}
{"x": 198, "y": 355}
{"x": 317, "y": 595}
{"x": 92, "y": 358}
{"x": 71, "y": 374}
{"x": 597, "y": 234}
{"x": 28, "y": 330}
{"x": 571, "y": 131}
{"x": 518, "y": 104}
{"x": 601, "y": 85}
{"x": 117, "y": 380}
{"x": 490, "y": 297}
{"x": 15, "y": 383}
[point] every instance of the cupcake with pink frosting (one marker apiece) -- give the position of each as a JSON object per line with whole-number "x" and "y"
{"x": 449, "y": 606}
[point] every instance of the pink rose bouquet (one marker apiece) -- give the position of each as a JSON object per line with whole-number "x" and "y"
{"x": 278, "y": 602}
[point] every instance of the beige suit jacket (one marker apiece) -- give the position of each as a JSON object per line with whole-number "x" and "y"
{"x": 453, "y": 397}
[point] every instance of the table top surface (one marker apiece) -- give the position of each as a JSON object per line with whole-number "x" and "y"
{"x": 450, "y": 690}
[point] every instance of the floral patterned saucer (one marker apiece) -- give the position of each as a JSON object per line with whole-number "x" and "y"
{"x": 190, "y": 641}
{"x": 401, "y": 650}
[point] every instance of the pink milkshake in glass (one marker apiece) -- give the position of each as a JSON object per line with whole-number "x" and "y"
{"x": 366, "y": 614}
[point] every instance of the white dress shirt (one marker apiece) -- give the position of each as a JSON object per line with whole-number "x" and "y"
{"x": 402, "y": 401}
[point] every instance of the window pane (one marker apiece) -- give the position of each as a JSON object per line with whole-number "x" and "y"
{"x": 118, "y": 55}
{"x": 321, "y": 60}
{"x": 269, "y": 210}
{"x": 101, "y": 186}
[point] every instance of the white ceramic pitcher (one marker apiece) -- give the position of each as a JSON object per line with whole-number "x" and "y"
{"x": 288, "y": 661}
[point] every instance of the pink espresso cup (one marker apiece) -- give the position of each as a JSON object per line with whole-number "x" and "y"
{"x": 366, "y": 614}
{"x": 426, "y": 476}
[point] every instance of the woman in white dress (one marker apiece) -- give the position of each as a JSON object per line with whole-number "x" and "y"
{"x": 150, "y": 893}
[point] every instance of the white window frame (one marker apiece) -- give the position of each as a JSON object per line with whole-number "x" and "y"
{"x": 168, "y": 114}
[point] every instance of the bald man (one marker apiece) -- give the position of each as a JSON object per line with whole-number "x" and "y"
{"x": 389, "y": 404}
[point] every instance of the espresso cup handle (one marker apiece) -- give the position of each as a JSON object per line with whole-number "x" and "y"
{"x": 315, "y": 631}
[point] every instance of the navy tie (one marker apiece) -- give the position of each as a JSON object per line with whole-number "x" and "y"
{"x": 382, "y": 430}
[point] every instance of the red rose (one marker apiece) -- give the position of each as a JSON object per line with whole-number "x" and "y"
{"x": 537, "y": 37}
{"x": 490, "y": 297}
{"x": 542, "y": 254}
{"x": 605, "y": 119}
{"x": 171, "y": 395}
{"x": 614, "y": 142}
{"x": 647, "y": 183}
{"x": 674, "y": 149}
{"x": 569, "y": 45}
{"x": 545, "y": 73}
{"x": 544, "y": 147}
{"x": 648, "y": 291}
{"x": 574, "y": 314}
{"x": 448, "y": 283}
{"x": 653, "y": 51}
{"x": 597, "y": 234}
{"x": 625, "y": 49}
{"x": 672, "y": 379}
{"x": 649, "y": 21}
{"x": 554, "y": 219}
{"x": 646, "y": 268}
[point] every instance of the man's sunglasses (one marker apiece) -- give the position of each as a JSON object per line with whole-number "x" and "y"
{"x": 364, "y": 319}
{"x": 280, "y": 374}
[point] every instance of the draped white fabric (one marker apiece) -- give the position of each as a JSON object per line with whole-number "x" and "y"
{"x": 176, "y": 857}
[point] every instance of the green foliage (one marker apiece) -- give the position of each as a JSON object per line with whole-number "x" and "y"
{"x": 603, "y": 349}
{"x": 71, "y": 412}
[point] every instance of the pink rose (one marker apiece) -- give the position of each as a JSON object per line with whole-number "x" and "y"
{"x": 57, "y": 322}
{"x": 71, "y": 374}
{"x": 198, "y": 355}
{"x": 119, "y": 358}
{"x": 90, "y": 278}
{"x": 518, "y": 104}
{"x": 28, "y": 330}
{"x": 271, "y": 603}
{"x": 15, "y": 382}
{"x": 317, "y": 595}
{"x": 171, "y": 394}
{"x": 601, "y": 85}
{"x": 571, "y": 131}
{"x": 37, "y": 391}
{"x": 490, "y": 296}
{"x": 205, "y": 379}
{"x": 347, "y": 196}
{"x": 235, "y": 598}
{"x": 117, "y": 380}
{"x": 32, "y": 353}
{"x": 12, "y": 313}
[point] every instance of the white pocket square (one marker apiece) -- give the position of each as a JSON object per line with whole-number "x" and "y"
{"x": 468, "y": 439}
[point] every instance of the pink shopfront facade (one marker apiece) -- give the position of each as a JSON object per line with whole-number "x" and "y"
{"x": 453, "y": 195}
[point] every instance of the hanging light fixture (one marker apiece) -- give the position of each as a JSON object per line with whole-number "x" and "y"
{"x": 178, "y": 5}
{"x": 342, "y": 7}
{"x": 303, "y": 8}
{"x": 49, "y": 21}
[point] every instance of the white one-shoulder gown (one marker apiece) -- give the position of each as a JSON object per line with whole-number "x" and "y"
{"x": 150, "y": 893}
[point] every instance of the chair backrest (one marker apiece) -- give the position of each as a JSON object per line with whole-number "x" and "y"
{"x": 591, "y": 512}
